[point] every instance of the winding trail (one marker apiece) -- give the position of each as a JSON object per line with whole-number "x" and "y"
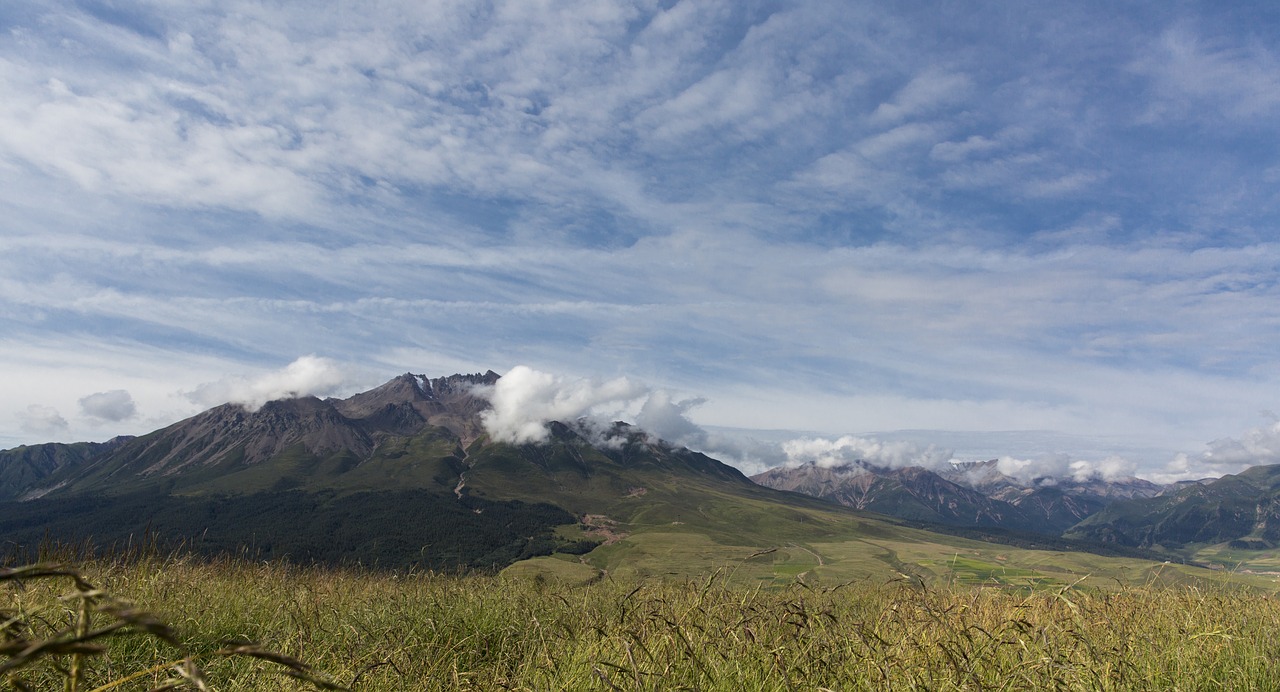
{"x": 821, "y": 562}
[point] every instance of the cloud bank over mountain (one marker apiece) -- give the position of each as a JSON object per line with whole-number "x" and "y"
{"x": 307, "y": 376}
{"x": 848, "y": 448}
{"x": 525, "y": 400}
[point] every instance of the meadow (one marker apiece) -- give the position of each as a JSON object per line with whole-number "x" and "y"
{"x": 237, "y": 624}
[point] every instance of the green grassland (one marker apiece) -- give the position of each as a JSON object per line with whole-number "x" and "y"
{"x": 1265, "y": 563}
{"x": 579, "y": 630}
{"x": 882, "y": 552}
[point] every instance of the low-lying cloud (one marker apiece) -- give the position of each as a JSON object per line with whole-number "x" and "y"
{"x": 307, "y": 376}
{"x": 112, "y": 406}
{"x": 668, "y": 419}
{"x": 1048, "y": 468}
{"x": 1260, "y": 445}
{"x": 847, "y": 449}
{"x": 1063, "y": 467}
{"x": 524, "y": 400}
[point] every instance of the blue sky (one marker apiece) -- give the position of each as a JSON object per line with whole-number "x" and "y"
{"x": 834, "y": 217}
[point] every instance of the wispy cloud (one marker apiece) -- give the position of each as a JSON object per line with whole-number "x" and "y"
{"x": 879, "y": 216}
{"x": 1196, "y": 76}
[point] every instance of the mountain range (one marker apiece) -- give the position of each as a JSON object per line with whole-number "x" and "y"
{"x": 962, "y": 494}
{"x": 406, "y": 475}
{"x": 403, "y": 474}
{"x": 1242, "y": 510}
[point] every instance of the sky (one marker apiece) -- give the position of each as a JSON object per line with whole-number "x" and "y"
{"x": 1040, "y": 230}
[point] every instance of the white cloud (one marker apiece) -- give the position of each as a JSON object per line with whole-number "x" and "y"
{"x": 1259, "y": 445}
{"x": 829, "y": 453}
{"x": 974, "y": 145}
{"x": 1063, "y": 466}
{"x": 1065, "y": 184}
{"x": 1256, "y": 446}
{"x": 890, "y": 142}
{"x": 113, "y": 406}
{"x": 668, "y": 419}
{"x": 524, "y": 400}
{"x": 110, "y": 141}
{"x": 43, "y": 420}
{"x": 306, "y": 376}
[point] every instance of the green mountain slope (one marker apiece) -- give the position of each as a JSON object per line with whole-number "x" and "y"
{"x": 1243, "y": 508}
{"x": 26, "y": 470}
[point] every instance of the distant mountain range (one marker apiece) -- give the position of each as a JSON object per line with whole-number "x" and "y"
{"x": 1242, "y": 510}
{"x": 405, "y": 475}
{"x": 965, "y": 494}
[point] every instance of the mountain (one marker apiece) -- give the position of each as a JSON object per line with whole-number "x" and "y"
{"x": 965, "y": 494}
{"x": 910, "y": 493}
{"x": 24, "y": 470}
{"x": 303, "y": 442}
{"x": 1242, "y": 509}
{"x": 403, "y": 474}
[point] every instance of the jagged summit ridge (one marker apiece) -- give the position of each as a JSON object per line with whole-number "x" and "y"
{"x": 408, "y": 402}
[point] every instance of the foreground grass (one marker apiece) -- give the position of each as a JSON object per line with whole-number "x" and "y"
{"x": 377, "y": 631}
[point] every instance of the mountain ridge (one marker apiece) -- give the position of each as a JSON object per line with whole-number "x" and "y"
{"x": 967, "y": 494}
{"x": 283, "y": 476}
{"x": 347, "y": 459}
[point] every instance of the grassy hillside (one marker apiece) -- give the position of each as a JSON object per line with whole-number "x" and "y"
{"x": 385, "y": 631}
{"x": 25, "y": 469}
{"x": 1243, "y": 508}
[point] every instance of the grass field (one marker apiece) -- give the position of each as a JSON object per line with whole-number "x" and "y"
{"x": 880, "y": 552}
{"x": 568, "y": 625}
